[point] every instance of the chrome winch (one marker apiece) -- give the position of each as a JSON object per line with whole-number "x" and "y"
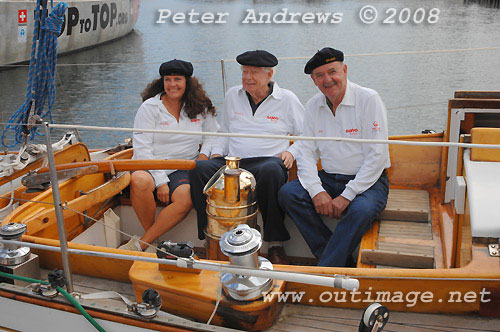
{"x": 242, "y": 245}
{"x": 17, "y": 259}
{"x": 12, "y": 254}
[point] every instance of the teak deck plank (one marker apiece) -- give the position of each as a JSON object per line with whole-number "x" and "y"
{"x": 401, "y": 259}
{"x": 409, "y": 205}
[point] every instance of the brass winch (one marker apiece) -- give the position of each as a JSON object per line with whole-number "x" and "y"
{"x": 231, "y": 201}
{"x": 242, "y": 246}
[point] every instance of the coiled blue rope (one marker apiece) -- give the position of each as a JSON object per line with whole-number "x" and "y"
{"x": 41, "y": 76}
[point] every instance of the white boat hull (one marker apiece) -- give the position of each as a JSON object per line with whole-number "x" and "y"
{"x": 87, "y": 23}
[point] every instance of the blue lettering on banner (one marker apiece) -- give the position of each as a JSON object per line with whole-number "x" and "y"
{"x": 104, "y": 16}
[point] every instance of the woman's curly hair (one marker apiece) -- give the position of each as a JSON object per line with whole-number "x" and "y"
{"x": 195, "y": 100}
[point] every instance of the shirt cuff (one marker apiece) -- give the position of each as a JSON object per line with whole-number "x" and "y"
{"x": 205, "y": 151}
{"x": 349, "y": 193}
{"x": 217, "y": 150}
{"x": 315, "y": 189}
{"x": 292, "y": 149}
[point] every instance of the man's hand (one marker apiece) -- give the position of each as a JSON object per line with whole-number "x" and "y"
{"x": 202, "y": 156}
{"x": 162, "y": 193}
{"x": 340, "y": 203}
{"x": 215, "y": 156}
{"x": 323, "y": 204}
{"x": 287, "y": 159}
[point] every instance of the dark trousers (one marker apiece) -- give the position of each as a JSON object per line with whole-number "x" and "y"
{"x": 333, "y": 249}
{"x": 270, "y": 174}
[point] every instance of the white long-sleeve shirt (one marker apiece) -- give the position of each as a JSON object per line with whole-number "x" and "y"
{"x": 152, "y": 114}
{"x": 361, "y": 114}
{"x": 281, "y": 113}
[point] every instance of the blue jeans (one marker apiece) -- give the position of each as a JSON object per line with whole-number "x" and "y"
{"x": 333, "y": 249}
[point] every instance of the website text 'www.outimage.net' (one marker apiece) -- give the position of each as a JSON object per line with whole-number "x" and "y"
{"x": 410, "y": 299}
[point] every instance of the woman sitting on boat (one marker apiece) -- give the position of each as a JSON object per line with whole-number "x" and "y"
{"x": 176, "y": 101}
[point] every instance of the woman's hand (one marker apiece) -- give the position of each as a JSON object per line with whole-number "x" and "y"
{"x": 163, "y": 193}
{"x": 202, "y": 156}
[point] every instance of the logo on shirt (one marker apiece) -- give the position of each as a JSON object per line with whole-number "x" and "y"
{"x": 375, "y": 126}
{"x": 320, "y": 131}
{"x": 239, "y": 113}
{"x": 195, "y": 120}
{"x": 164, "y": 123}
{"x": 353, "y": 131}
{"x": 273, "y": 118}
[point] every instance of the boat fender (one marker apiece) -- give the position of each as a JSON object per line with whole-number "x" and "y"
{"x": 374, "y": 318}
{"x": 174, "y": 250}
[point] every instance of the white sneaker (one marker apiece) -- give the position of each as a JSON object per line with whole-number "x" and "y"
{"x": 132, "y": 244}
{"x": 152, "y": 247}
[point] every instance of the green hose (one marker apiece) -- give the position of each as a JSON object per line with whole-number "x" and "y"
{"x": 63, "y": 292}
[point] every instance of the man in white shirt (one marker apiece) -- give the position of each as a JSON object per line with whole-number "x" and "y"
{"x": 353, "y": 184}
{"x": 258, "y": 106}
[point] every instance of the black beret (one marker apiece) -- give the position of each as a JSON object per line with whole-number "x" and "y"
{"x": 176, "y": 67}
{"x": 326, "y": 55}
{"x": 258, "y": 58}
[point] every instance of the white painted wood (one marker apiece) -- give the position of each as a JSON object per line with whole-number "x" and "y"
{"x": 483, "y": 192}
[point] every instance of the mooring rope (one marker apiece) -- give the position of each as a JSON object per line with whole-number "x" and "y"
{"x": 41, "y": 84}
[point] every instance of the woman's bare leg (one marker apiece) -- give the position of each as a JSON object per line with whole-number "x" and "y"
{"x": 142, "y": 187}
{"x": 170, "y": 215}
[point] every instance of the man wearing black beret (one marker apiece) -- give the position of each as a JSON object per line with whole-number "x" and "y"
{"x": 258, "y": 106}
{"x": 353, "y": 185}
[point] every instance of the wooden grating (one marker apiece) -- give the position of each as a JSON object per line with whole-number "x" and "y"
{"x": 392, "y": 251}
{"x": 407, "y": 205}
{"x": 405, "y": 230}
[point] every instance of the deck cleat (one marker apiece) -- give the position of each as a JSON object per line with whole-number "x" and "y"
{"x": 151, "y": 304}
{"x": 174, "y": 250}
{"x": 45, "y": 290}
{"x": 241, "y": 245}
{"x": 374, "y": 318}
{"x": 13, "y": 254}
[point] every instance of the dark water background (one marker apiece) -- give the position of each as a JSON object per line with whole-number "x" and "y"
{"x": 102, "y": 86}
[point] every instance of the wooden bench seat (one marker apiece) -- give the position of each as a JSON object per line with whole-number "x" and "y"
{"x": 402, "y": 236}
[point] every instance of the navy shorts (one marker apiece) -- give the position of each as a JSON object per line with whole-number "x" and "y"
{"x": 177, "y": 178}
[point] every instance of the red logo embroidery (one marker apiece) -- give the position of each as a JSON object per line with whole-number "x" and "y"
{"x": 195, "y": 120}
{"x": 22, "y": 16}
{"x": 273, "y": 118}
{"x": 320, "y": 131}
{"x": 375, "y": 124}
{"x": 352, "y": 131}
{"x": 239, "y": 113}
{"x": 164, "y": 123}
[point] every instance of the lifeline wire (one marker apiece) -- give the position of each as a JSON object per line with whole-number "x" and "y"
{"x": 456, "y": 50}
{"x": 294, "y": 138}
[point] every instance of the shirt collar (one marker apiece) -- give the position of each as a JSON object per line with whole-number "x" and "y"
{"x": 348, "y": 100}
{"x": 277, "y": 93}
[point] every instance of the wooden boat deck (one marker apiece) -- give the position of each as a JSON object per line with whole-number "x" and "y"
{"x": 296, "y": 317}
{"x": 304, "y": 318}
